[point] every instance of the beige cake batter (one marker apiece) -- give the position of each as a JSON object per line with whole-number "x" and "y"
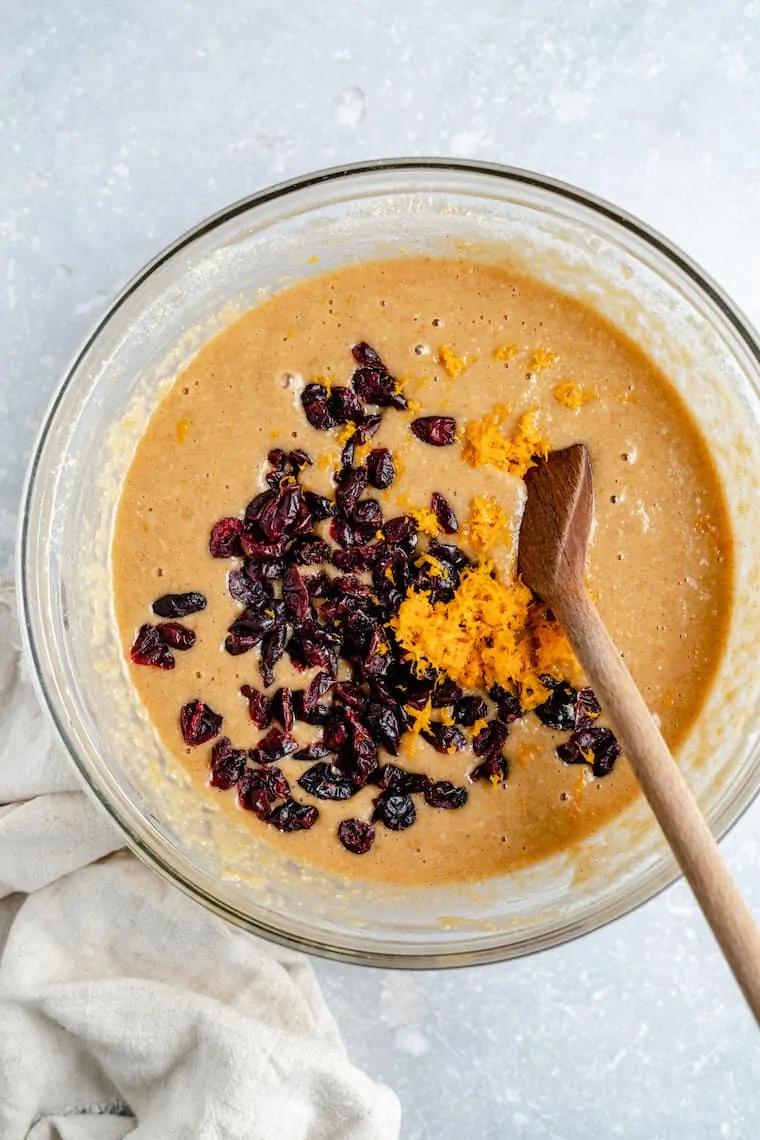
{"x": 462, "y": 337}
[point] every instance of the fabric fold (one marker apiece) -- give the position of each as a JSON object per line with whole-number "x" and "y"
{"x": 126, "y": 1009}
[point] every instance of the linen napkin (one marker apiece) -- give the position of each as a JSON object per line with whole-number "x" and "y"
{"x": 126, "y": 1009}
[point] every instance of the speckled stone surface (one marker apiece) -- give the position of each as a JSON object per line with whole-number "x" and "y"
{"x": 124, "y": 123}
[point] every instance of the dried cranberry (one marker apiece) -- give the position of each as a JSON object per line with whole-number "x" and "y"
{"x": 257, "y": 550}
{"x": 390, "y": 599}
{"x": 199, "y": 723}
{"x": 259, "y": 706}
{"x": 379, "y": 387}
{"x": 415, "y": 782}
{"x": 439, "y": 431}
{"x": 299, "y": 459}
{"x": 558, "y": 711}
{"x": 494, "y": 768}
{"x": 595, "y": 746}
{"x": 276, "y": 478}
{"x": 286, "y": 515}
{"x": 227, "y": 764}
{"x": 268, "y": 570}
{"x": 445, "y": 516}
{"x": 350, "y": 694}
{"x": 345, "y": 405}
{"x": 295, "y": 596}
{"x": 372, "y": 381}
{"x": 316, "y": 750}
{"x": 272, "y": 649}
{"x": 490, "y": 739}
{"x": 149, "y": 648}
{"x": 380, "y": 469}
{"x": 379, "y": 657}
{"x": 507, "y": 704}
{"x": 445, "y": 738}
{"x": 317, "y": 688}
{"x": 274, "y": 746}
{"x": 396, "y": 810}
{"x": 364, "y": 353}
{"x": 587, "y": 708}
{"x": 309, "y": 550}
{"x": 356, "y": 835}
{"x": 390, "y": 776}
{"x": 357, "y": 560}
{"x": 178, "y": 605}
{"x": 453, "y": 556}
{"x": 275, "y": 782}
{"x": 257, "y": 505}
{"x": 363, "y": 750}
{"x": 253, "y": 794}
{"x": 351, "y": 591}
{"x": 292, "y": 816}
{"x": 440, "y": 584}
{"x": 326, "y": 782}
{"x": 369, "y": 516}
{"x": 401, "y": 531}
{"x": 175, "y": 635}
{"x": 351, "y": 483}
{"x": 396, "y": 561}
{"x": 282, "y": 707}
{"x": 445, "y": 693}
{"x": 384, "y": 722}
{"x": 335, "y": 736}
{"x": 225, "y": 538}
{"x": 315, "y": 406}
{"x": 315, "y": 646}
{"x": 417, "y": 693}
{"x": 348, "y": 452}
{"x": 366, "y": 428}
{"x": 319, "y": 506}
{"x": 444, "y": 794}
{"x": 245, "y": 590}
{"x": 470, "y": 709}
{"x": 400, "y": 780}
{"x": 342, "y": 531}
{"x": 252, "y": 626}
{"x": 358, "y": 630}
{"x": 313, "y": 714}
{"x": 317, "y": 584}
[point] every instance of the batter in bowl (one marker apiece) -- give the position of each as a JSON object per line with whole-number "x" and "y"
{"x": 314, "y": 568}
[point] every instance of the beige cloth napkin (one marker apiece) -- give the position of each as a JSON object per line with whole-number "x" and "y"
{"x": 125, "y": 1008}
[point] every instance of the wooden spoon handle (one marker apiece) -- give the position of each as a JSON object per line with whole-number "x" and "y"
{"x": 663, "y": 785}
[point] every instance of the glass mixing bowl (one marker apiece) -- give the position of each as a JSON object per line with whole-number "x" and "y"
{"x": 190, "y": 291}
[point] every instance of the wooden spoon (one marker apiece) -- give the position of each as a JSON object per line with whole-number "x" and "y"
{"x": 551, "y": 560}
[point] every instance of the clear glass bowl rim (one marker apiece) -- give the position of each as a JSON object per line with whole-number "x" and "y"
{"x": 651, "y": 885}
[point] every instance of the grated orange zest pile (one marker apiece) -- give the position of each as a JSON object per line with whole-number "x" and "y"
{"x": 453, "y": 365}
{"x": 505, "y": 352}
{"x": 487, "y": 634}
{"x": 573, "y": 396}
{"x": 542, "y": 359}
{"x": 427, "y": 523}
{"x": 486, "y": 442}
{"x": 488, "y": 525}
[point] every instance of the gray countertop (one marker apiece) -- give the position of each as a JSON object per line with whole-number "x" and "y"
{"x": 124, "y": 123}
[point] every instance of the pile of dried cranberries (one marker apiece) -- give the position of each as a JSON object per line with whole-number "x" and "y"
{"x": 290, "y": 604}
